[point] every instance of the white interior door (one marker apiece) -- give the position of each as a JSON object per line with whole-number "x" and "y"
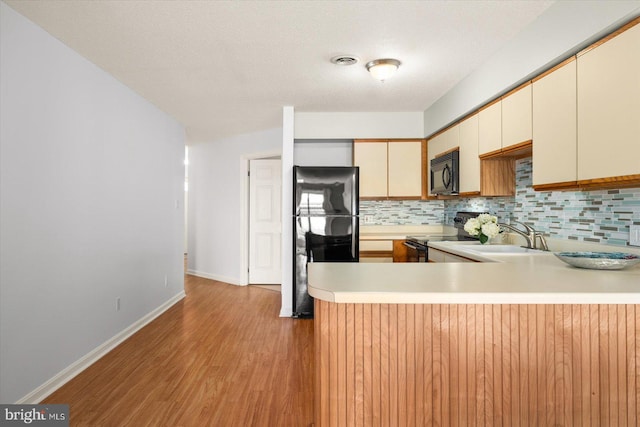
{"x": 265, "y": 227}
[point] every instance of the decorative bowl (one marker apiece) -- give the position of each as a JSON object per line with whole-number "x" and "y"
{"x": 599, "y": 260}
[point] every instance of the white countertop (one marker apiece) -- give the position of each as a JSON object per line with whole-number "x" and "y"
{"x": 510, "y": 279}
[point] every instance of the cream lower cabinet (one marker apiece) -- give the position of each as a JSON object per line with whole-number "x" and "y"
{"x": 436, "y": 255}
{"x": 554, "y": 126}
{"x": 389, "y": 168}
{"x": 376, "y": 250}
{"x": 609, "y": 108}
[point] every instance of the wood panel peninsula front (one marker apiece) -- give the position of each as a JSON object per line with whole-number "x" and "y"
{"x": 529, "y": 343}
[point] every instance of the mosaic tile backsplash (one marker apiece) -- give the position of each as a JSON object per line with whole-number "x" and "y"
{"x": 402, "y": 212}
{"x": 601, "y": 216}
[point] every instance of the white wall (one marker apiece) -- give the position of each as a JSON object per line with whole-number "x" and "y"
{"x": 323, "y": 153}
{"x": 340, "y": 125}
{"x": 90, "y": 177}
{"x": 287, "y": 142}
{"x": 564, "y": 28}
{"x": 215, "y": 187}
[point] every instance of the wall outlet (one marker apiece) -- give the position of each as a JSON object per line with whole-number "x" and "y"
{"x": 166, "y": 281}
{"x": 368, "y": 219}
{"x": 118, "y": 304}
{"x": 634, "y": 235}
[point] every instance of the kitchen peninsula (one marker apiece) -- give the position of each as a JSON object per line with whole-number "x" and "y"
{"x": 523, "y": 341}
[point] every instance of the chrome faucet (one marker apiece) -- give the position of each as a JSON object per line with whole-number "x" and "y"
{"x": 529, "y": 234}
{"x": 543, "y": 242}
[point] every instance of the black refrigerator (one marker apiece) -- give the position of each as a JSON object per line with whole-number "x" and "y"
{"x": 325, "y": 224}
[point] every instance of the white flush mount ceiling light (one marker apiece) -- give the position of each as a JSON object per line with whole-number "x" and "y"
{"x": 382, "y": 69}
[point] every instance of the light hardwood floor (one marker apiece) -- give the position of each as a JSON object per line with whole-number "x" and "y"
{"x": 220, "y": 357}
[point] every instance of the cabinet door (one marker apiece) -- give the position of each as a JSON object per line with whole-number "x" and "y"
{"x": 435, "y": 145}
{"x": 444, "y": 142}
{"x": 405, "y": 168}
{"x": 455, "y": 258}
{"x": 469, "y": 160}
{"x": 435, "y": 255}
{"x": 373, "y": 251}
{"x": 441, "y": 144}
{"x": 554, "y": 126}
{"x": 490, "y": 129}
{"x": 402, "y": 253}
{"x": 371, "y": 157}
{"x": 609, "y": 108}
{"x": 516, "y": 117}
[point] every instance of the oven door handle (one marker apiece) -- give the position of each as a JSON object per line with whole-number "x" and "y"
{"x": 414, "y": 246}
{"x": 419, "y": 248}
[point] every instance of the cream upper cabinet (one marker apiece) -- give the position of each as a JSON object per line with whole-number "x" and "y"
{"x": 516, "y": 117}
{"x": 405, "y": 168}
{"x": 609, "y": 108}
{"x": 441, "y": 144}
{"x": 490, "y": 129}
{"x": 465, "y": 137}
{"x": 371, "y": 158}
{"x": 506, "y": 122}
{"x": 389, "y": 168}
{"x": 435, "y": 146}
{"x": 444, "y": 142}
{"x": 469, "y": 160}
{"x": 554, "y": 126}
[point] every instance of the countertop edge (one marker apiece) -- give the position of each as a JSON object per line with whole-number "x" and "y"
{"x": 520, "y": 298}
{"x": 541, "y": 280}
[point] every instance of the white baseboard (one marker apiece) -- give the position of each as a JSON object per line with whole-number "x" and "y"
{"x": 64, "y": 376}
{"x": 219, "y": 278}
{"x": 286, "y": 312}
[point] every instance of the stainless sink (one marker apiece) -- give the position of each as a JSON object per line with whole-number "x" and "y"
{"x": 502, "y": 249}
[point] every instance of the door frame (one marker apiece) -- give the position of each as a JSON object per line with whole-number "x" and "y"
{"x": 244, "y": 208}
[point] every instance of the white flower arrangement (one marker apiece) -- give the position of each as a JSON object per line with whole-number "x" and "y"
{"x": 484, "y": 226}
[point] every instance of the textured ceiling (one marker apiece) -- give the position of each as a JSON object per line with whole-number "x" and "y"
{"x": 227, "y": 67}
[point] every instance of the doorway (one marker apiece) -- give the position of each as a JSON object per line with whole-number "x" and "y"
{"x": 265, "y": 228}
{"x": 261, "y": 220}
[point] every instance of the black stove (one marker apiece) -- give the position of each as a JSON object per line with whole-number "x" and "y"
{"x": 419, "y": 242}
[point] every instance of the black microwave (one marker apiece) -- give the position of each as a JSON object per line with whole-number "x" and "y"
{"x": 445, "y": 174}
